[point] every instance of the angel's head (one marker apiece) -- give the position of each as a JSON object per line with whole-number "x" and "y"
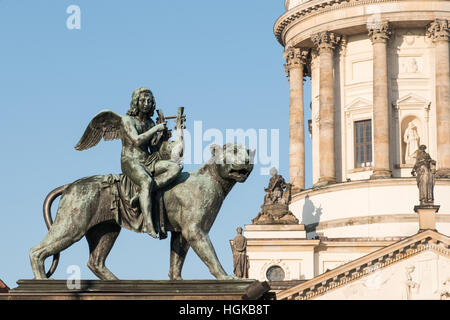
{"x": 142, "y": 101}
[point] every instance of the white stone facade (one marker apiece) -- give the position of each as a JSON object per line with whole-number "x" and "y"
{"x": 383, "y": 61}
{"x": 422, "y": 277}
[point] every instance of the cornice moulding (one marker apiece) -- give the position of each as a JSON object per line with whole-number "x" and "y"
{"x": 316, "y": 7}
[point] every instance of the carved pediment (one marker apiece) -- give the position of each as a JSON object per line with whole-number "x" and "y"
{"x": 358, "y": 105}
{"x": 411, "y": 100}
{"x": 403, "y": 267}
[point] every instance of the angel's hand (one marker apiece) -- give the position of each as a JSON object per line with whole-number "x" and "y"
{"x": 161, "y": 127}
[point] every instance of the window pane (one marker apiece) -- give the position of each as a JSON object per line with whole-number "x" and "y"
{"x": 363, "y": 143}
{"x": 369, "y": 152}
{"x": 361, "y": 154}
{"x": 358, "y": 127}
{"x": 368, "y": 131}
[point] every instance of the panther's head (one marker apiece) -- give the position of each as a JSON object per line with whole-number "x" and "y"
{"x": 233, "y": 161}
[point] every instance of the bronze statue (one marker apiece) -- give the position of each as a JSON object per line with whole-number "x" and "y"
{"x": 240, "y": 259}
{"x": 150, "y": 196}
{"x": 140, "y": 158}
{"x": 425, "y": 172}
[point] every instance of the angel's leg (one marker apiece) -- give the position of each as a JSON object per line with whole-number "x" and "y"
{"x": 142, "y": 178}
{"x": 166, "y": 172}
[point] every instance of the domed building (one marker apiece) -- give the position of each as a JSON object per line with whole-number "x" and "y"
{"x": 380, "y": 81}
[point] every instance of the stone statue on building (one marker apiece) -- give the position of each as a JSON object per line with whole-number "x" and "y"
{"x": 275, "y": 209}
{"x": 425, "y": 172}
{"x": 412, "y": 140}
{"x": 276, "y": 189}
{"x": 240, "y": 259}
{"x": 445, "y": 290}
{"x": 409, "y": 283}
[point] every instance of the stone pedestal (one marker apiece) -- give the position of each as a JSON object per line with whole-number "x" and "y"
{"x": 275, "y": 231}
{"x": 138, "y": 290}
{"x": 275, "y": 213}
{"x": 427, "y": 216}
{"x": 283, "y": 248}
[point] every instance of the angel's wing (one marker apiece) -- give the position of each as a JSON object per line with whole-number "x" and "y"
{"x": 104, "y": 125}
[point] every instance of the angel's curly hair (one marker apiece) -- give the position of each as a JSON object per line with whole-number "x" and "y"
{"x": 135, "y": 98}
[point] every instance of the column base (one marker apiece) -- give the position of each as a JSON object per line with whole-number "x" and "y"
{"x": 381, "y": 174}
{"x": 324, "y": 181}
{"x": 296, "y": 190}
{"x": 427, "y": 215}
{"x": 443, "y": 173}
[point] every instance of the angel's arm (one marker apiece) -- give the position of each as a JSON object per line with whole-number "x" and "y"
{"x": 143, "y": 138}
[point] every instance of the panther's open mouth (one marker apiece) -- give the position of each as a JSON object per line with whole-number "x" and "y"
{"x": 240, "y": 174}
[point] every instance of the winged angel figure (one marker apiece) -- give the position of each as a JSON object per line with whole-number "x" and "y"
{"x": 141, "y": 159}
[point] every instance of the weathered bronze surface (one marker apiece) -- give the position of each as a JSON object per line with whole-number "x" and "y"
{"x": 275, "y": 209}
{"x": 186, "y": 204}
{"x": 425, "y": 172}
{"x": 240, "y": 258}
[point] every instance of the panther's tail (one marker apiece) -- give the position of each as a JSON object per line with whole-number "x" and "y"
{"x": 49, "y": 221}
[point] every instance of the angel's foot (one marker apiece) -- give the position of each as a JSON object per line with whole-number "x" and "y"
{"x": 153, "y": 234}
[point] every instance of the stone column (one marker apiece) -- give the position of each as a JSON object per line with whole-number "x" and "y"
{"x": 325, "y": 43}
{"x": 296, "y": 59}
{"x": 379, "y": 34}
{"x": 438, "y": 30}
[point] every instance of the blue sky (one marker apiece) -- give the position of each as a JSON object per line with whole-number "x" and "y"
{"x": 218, "y": 59}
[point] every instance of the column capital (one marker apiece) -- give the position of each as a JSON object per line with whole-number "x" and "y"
{"x": 343, "y": 46}
{"x": 295, "y": 58}
{"x": 325, "y": 40}
{"x": 438, "y": 30}
{"x": 379, "y": 31}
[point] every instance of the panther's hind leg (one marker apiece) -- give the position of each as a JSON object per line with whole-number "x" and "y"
{"x": 51, "y": 245}
{"x": 101, "y": 238}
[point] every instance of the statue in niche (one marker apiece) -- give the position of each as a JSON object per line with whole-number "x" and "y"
{"x": 275, "y": 209}
{"x": 425, "y": 172}
{"x": 240, "y": 259}
{"x": 412, "y": 140}
{"x": 410, "y": 66}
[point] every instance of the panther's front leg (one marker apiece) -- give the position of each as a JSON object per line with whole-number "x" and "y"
{"x": 201, "y": 244}
{"x": 178, "y": 250}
